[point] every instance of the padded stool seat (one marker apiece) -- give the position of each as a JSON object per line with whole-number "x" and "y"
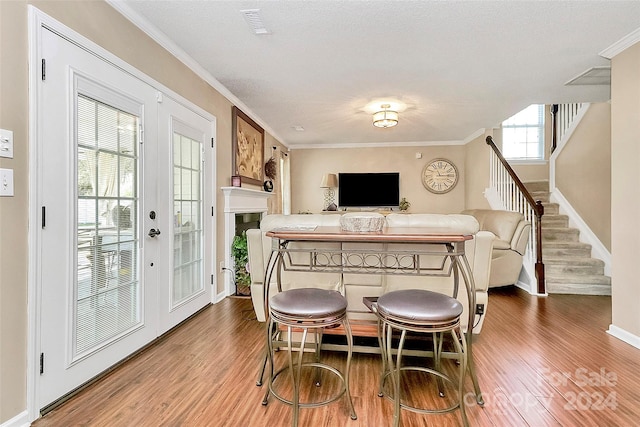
{"x": 308, "y": 304}
{"x": 420, "y": 307}
{"x": 306, "y": 309}
{"x": 421, "y": 311}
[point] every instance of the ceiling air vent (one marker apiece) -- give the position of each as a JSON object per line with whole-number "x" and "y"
{"x": 252, "y": 16}
{"x": 593, "y": 76}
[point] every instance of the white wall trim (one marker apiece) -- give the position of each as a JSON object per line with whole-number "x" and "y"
{"x": 623, "y": 335}
{"x": 622, "y": 44}
{"x": 20, "y": 420}
{"x": 598, "y": 250}
{"x": 375, "y": 144}
{"x": 146, "y": 27}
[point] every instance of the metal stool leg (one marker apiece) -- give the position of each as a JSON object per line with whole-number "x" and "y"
{"x": 270, "y": 360}
{"x": 438, "y": 340}
{"x": 461, "y": 348}
{"x": 383, "y": 350}
{"x": 397, "y": 375}
{"x": 296, "y": 371}
{"x": 472, "y": 371}
{"x": 347, "y": 328}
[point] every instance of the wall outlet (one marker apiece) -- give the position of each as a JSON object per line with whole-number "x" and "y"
{"x": 480, "y": 309}
{"x": 221, "y": 266}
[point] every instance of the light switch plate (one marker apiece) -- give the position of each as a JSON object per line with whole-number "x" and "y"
{"x": 6, "y": 182}
{"x": 6, "y": 143}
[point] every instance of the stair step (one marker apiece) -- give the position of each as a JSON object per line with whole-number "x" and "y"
{"x": 562, "y": 249}
{"x": 543, "y": 196}
{"x": 551, "y": 208}
{"x": 592, "y": 266}
{"x": 564, "y": 234}
{"x": 554, "y": 220}
{"x": 537, "y": 186}
{"x": 574, "y": 261}
{"x": 578, "y": 284}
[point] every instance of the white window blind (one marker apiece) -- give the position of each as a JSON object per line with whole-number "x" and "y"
{"x": 107, "y": 286}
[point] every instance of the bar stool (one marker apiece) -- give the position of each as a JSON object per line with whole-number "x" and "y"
{"x": 420, "y": 311}
{"x": 307, "y": 309}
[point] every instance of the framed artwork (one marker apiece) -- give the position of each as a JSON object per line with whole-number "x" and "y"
{"x": 248, "y": 146}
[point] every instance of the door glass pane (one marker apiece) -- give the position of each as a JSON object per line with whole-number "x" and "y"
{"x": 107, "y": 291}
{"x": 187, "y": 206}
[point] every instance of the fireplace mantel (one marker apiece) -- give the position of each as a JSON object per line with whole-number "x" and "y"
{"x": 238, "y": 200}
{"x": 245, "y": 200}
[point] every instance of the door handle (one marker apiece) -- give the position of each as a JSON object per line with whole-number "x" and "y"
{"x": 153, "y": 232}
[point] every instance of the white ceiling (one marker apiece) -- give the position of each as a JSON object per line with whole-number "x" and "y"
{"x": 456, "y": 67}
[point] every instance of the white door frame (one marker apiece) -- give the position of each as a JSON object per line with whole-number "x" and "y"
{"x": 37, "y": 21}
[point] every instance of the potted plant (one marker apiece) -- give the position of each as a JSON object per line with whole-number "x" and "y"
{"x": 240, "y": 256}
{"x": 404, "y": 205}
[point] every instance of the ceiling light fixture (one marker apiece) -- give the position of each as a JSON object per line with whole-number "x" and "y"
{"x": 385, "y": 118}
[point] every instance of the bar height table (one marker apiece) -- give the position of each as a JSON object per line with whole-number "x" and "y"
{"x": 389, "y": 260}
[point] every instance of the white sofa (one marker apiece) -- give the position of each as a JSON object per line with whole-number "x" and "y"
{"x": 357, "y": 286}
{"x": 512, "y": 235}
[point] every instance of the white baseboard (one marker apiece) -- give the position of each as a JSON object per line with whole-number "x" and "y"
{"x": 598, "y": 250}
{"x": 20, "y": 420}
{"x": 623, "y": 335}
{"x": 217, "y": 297}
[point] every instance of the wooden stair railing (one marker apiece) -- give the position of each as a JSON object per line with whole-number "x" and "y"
{"x": 535, "y": 206}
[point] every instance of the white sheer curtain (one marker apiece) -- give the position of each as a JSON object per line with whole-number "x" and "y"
{"x": 285, "y": 183}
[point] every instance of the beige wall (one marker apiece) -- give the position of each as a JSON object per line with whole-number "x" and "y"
{"x": 122, "y": 38}
{"x": 308, "y": 166}
{"x": 476, "y": 166}
{"x": 583, "y": 171}
{"x": 14, "y": 216}
{"x": 625, "y": 179}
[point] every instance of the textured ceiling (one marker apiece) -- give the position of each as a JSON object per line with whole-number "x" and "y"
{"x": 454, "y": 67}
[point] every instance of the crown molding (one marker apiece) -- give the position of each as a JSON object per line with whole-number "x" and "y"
{"x": 375, "y": 144}
{"x": 621, "y": 45}
{"x": 159, "y": 37}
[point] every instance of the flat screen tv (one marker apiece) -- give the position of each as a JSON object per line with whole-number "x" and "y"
{"x": 369, "y": 190}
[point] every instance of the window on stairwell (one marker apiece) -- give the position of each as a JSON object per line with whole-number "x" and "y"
{"x": 523, "y": 134}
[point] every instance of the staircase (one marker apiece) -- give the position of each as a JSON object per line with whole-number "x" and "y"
{"x": 569, "y": 268}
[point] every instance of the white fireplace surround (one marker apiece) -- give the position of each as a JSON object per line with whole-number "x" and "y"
{"x": 238, "y": 200}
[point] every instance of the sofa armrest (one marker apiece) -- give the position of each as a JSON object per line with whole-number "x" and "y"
{"x": 256, "y": 256}
{"x": 521, "y": 237}
{"x": 481, "y": 261}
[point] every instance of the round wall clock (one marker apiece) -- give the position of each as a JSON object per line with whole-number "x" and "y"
{"x": 440, "y": 176}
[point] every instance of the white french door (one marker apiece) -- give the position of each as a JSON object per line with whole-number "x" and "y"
{"x": 182, "y": 196}
{"x": 121, "y": 255}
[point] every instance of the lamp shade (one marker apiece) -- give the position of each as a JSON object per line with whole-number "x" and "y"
{"x": 329, "y": 180}
{"x": 385, "y": 118}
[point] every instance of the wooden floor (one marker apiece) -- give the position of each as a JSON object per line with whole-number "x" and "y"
{"x": 541, "y": 361}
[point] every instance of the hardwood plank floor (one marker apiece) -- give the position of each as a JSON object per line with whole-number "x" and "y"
{"x": 541, "y": 361}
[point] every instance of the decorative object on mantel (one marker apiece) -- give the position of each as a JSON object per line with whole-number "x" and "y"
{"x": 385, "y": 118}
{"x": 329, "y": 182}
{"x": 362, "y": 221}
{"x": 271, "y": 167}
{"x": 248, "y": 146}
{"x": 268, "y": 185}
{"x": 404, "y": 204}
{"x": 236, "y": 181}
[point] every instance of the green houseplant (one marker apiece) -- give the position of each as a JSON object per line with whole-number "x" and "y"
{"x": 404, "y": 205}
{"x": 240, "y": 256}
